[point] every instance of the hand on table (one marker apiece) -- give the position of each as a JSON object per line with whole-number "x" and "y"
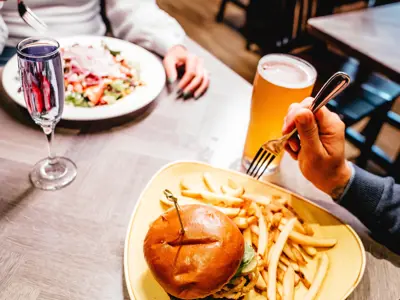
{"x": 320, "y": 150}
{"x": 195, "y": 80}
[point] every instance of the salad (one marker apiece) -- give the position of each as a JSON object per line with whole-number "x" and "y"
{"x": 97, "y": 76}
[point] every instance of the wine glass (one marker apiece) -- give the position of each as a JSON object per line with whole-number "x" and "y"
{"x": 41, "y": 72}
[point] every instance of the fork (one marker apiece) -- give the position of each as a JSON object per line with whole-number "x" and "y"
{"x": 30, "y": 18}
{"x": 269, "y": 150}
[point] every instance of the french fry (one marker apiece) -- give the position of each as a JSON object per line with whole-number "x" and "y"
{"x": 274, "y": 207}
{"x": 279, "y": 291}
{"x": 302, "y": 239}
{"x": 297, "y": 227}
{"x": 271, "y": 238}
{"x": 289, "y": 253}
{"x": 233, "y": 184}
{"x": 282, "y": 266}
{"x": 264, "y": 275}
{"x": 288, "y": 284}
{"x": 255, "y": 229}
{"x": 254, "y": 240}
{"x": 250, "y": 211}
{"x": 231, "y": 192}
{"x": 304, "y": 279}
{"x": 296, "y": 279}
{"x": 185, "y": 185}
{"x": 287, "y": 213}
{"x": 242, "y": 213}
{"x": 308, "y": 229}
{"x": 252, "y": 220}
{"x": 271, "y": 250}
{"x": 247, "y": 236}
{"x": 276, "y": 219}
{"x": 318, "y": 278}
{"x": 280, "y": 199}
{"x": 263, "y": 236}
{"x": 232, "y": 189}
{"x": 213, "y": 198}
{"x": 253, "y": 295}
{"x": 309, "y": 250}
{"x": 210, "y": 183}
{"x": 287, "y": 262}
{"x": 299, "y": 257}
{"x": 273, "y": 264}
{"x": 280, "y": 274}
{"x": 261, "y": 285}
{"x": 241, "y": 222}
{"x": 229, "y": 211}
{"x": 219, "y": 198}
{"x": 191, "y": 193}
{"x": 259, "y": 199}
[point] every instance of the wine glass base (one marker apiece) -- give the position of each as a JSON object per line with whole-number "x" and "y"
{"x": 53, "y": 175}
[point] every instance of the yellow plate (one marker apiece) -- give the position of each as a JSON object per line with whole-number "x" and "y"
{"x": 347, "y": 258}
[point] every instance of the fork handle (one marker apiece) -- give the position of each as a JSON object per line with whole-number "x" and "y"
{"x": 334, "y": 86}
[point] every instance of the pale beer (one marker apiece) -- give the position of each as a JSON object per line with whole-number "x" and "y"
{"x": 280, "y": 81}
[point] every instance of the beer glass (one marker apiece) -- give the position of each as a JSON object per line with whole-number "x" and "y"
{"x": 280, "y": 81}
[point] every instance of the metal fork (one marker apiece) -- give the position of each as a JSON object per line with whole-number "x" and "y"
{"x": 30, "y": 18}
{"x": 269, "y": 150}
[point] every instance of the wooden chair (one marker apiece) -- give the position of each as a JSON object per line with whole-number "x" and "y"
{"x": 371, "y": 98}
{"x": 221, "y": 12}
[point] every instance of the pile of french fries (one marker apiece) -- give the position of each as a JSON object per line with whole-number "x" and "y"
{"x": 284, "y": 243}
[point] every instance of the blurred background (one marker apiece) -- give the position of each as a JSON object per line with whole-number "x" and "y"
{"x": 239, "y": 32}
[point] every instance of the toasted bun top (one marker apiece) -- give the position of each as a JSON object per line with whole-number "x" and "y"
{"x": 200, "y": 262}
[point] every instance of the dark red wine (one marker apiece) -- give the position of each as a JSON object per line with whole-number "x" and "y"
{"x": 43, "y": 82}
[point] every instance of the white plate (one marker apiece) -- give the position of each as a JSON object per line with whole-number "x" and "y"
{"x": 151, "y": 72}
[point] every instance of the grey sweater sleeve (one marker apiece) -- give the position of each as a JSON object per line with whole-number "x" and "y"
{"x": 376, "y": 202}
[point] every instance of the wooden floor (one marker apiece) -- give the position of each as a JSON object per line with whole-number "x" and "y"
{"x": 197, "y": 17}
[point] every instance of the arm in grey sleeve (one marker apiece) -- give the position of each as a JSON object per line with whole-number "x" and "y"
{"x": 375, "y": 201}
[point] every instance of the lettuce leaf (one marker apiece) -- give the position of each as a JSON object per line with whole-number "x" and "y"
{"x": 248, "y": 256}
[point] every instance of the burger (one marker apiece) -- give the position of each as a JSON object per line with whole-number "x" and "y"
{"x": 206, "y": 258}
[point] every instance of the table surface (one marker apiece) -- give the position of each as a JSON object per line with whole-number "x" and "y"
{"x": 69, "y": 244}
{"x": 371, "y": 35}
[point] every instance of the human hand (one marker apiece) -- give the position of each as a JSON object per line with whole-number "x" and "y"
{"x": 320, "y": 150}
{"x": 195, "y": 80}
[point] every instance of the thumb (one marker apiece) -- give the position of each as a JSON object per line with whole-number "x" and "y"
{"x": 170, "y": 62}
{"x": 308, "y": 130}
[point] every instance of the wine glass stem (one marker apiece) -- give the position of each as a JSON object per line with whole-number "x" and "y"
{"x": 49, "y": 132}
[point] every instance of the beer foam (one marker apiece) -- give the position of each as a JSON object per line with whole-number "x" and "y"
{"x": 287, "y": 71}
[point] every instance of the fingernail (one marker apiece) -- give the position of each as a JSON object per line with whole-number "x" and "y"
{"x": 284, "y": 125}
{"x": 187, "y": 95}
{"x": 171, "y": 80}
{"x": 302, "y": 119}
{"x": 294, "y": 146}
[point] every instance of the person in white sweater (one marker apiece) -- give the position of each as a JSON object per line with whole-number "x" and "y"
{"x": 139, "y": 21}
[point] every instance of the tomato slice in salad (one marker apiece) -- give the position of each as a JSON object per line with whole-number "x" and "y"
{"x": 37, "y": 94}
{"x": 46, "y": 88}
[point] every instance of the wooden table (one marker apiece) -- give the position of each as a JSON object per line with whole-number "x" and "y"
{"x": 371, "y": 35}
{"x": 69, "y": 244}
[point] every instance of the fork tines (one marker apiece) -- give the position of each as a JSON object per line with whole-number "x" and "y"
{"x": 260, "y": 163}
{"x": 30, "y": 18}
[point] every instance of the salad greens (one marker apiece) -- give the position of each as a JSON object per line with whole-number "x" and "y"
{"x": 97, "y": 76}
{"x": 248, "y": 256}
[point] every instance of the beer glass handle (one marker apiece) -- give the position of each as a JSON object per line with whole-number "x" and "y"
{"x": 334, "y": 86}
